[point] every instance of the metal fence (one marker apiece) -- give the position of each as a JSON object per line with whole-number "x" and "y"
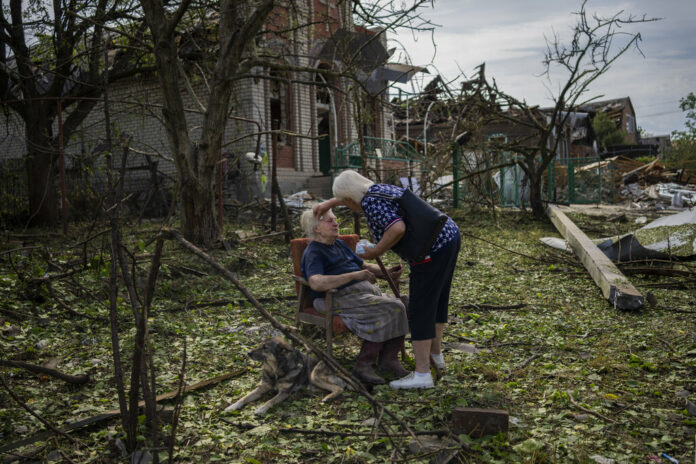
{"x": 386, "y": 159}
{"x": 580, "y": 181}
{"x": 13, "y": 189}
{"x": 567, "y": 180}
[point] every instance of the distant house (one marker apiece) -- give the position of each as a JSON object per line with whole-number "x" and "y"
{"x": 621, "y": 111}
{"x": 661, "y": 142}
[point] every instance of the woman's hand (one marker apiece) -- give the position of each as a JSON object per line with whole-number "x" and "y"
{"x": 365, "y": 275}
{"x": 395, "y": 272}
{"x": 320, "y": 208}
{"x": 370, "y": 253}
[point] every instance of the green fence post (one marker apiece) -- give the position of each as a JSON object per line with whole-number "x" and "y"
{"x": 518, "y": 203}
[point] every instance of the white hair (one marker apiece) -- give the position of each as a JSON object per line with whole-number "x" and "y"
{"x": 309, "y": 221}
{"x": 350, "y": 184}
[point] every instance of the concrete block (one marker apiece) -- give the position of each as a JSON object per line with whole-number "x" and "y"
{"x": 477, "y": 422}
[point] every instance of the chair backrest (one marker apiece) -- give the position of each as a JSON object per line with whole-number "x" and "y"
{"x": 298, "y": 246}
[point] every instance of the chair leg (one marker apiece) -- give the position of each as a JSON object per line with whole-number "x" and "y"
{"x": 329, "y": 324}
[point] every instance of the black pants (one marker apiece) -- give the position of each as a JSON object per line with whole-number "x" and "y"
{"x": 429, "y": 289}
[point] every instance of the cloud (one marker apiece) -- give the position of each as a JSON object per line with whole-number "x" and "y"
{"x": 509, "y": 36}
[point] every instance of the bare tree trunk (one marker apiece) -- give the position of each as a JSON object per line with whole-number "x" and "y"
{"x": 40, "y": 175}
{"x": 535, "y": 200}
{"x": 199, "y": 218}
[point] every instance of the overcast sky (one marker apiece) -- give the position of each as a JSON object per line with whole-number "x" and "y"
{"x": 509, "y": 36}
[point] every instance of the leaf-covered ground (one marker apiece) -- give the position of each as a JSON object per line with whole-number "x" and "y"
{"x": 580, "y": 380}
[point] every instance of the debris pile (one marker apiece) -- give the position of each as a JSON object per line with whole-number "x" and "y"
{"x": 652, "y": 185}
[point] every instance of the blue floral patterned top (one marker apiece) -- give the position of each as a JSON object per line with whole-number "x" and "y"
{"x": 382, "y": 213}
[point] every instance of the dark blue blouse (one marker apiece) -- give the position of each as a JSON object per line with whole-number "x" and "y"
{"x": 321, "y": 259}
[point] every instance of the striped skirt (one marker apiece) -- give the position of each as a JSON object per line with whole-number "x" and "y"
{"x": 367, "y": 313}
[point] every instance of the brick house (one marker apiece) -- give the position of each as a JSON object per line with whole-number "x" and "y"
{"x": 313, "y": 119}
{"x": 621, "y": 111}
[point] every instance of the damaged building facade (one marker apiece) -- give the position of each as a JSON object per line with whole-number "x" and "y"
{"x": 302, "y": 117}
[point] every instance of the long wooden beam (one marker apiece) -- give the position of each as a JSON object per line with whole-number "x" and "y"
{"x": 614, "y": 285}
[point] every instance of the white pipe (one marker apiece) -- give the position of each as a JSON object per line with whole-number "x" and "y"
{"x": 333, "y": 110}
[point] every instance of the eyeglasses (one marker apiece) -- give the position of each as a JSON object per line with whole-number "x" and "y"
{"x": 328, "y": 219}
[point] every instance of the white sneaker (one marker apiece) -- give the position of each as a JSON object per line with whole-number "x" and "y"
{"x": 413, "y": 381}
{"x": 438, "y": 360}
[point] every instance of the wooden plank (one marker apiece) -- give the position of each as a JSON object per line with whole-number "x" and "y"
{"x": 614, "y": 285}
{"x": 477, "y": 422}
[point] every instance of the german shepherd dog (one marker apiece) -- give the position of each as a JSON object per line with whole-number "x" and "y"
{"x": 287, "y": 370}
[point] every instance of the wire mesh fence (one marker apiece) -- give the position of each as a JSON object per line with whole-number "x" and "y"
{"x": 566, "y": 180}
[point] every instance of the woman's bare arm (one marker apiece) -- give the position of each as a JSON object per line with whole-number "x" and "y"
{"x": 324, "y": 206}
{"x": 322, "y": 283}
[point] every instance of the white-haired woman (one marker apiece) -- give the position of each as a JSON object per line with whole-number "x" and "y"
{"x": 380, "y": 321}
{"x": 430, "y": 280}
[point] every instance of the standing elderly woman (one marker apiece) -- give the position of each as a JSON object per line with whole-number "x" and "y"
{"x": 380, "y": 321}
{"x": 430, "y": 279}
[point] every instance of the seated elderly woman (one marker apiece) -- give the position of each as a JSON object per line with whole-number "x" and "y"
{"x": 380, "y": 321}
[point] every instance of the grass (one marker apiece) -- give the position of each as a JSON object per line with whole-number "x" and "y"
{"x": 578, "y": 378}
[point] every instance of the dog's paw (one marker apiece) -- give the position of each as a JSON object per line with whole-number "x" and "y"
{"x": 261, "y": 410}
{"x": 233, "y": 407}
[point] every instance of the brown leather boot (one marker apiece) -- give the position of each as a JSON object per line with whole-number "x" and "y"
{"x": 363, "y": 365}
{"x": 389, "y": 358}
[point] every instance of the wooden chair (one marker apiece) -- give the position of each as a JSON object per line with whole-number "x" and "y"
{"x": 306, "y": 313}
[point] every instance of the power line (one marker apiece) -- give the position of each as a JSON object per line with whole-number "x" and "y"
{"x": 661, "y": 114}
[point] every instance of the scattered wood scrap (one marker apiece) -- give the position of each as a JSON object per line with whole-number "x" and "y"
{"x": 614, "y": 285}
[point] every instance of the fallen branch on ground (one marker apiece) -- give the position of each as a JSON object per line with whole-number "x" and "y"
{"x": 330, "y": 433}
{"x": 523, "y": 365}
{"x": 73, "y": 379}
{"x": 33, "y": 413}
{"x": 589, "y": 411}
{"x": 117, "y": 412}
{"x": 493, "y": 307}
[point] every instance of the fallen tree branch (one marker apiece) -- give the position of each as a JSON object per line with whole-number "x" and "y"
{"x": 117, "y": 412}
{"x": 657, "y": 271}
{"x": 343, "y": 434}
{"x": 273, "y": 234}
{"x": 493, "y": 307}
{"x": 511, "y": 251}
{"x": 589, "y": 411}
{"x": 678, "y": 284}
{"x": 19, "y": 249}
{"x": 31, "y": 411}
{"x": 73, "y": 379}
{"x": 216, "y": 303}
{"x": 675, "y": 310}
{"x": 523, "y": 365}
